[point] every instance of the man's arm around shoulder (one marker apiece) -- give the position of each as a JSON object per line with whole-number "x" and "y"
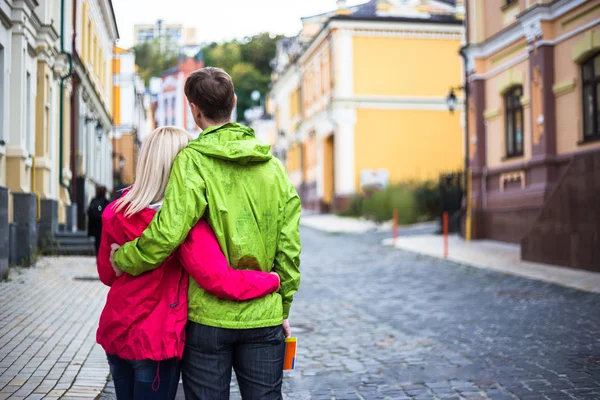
{"x": 183, "y": 205}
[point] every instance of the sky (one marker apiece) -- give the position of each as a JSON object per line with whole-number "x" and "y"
{"x": 218, "y": 20}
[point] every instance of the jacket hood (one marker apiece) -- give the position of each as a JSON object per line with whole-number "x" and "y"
{"x": 232, "y": 142}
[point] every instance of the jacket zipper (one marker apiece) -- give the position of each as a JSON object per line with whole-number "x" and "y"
{"x": 176, "y": 303}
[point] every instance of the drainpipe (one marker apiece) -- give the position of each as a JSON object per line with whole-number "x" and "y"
{"x": 62, "y": 100}
{"x": 73, "y": 116}
{"x": 468, "y": 176}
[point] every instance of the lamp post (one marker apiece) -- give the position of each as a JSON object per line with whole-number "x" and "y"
{"x": 452, "y": 102}
{"x": 451, "y": 99}
{"x": 99, "y": 131}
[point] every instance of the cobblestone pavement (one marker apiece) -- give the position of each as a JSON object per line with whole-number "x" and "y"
{"x": 371, "y": 322}
{"x": 48, "y": 326}
{"x": 380, "y": 323}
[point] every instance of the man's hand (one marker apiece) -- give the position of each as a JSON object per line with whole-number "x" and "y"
{"x": 287, "y": 331}
{"x": 278, "y": 278}
{"x": 113, "y": 248}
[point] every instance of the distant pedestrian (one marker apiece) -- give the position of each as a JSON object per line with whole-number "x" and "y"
{"x": 95, "y": 210}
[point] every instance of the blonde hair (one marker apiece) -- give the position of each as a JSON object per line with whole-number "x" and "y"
{"x": 153, "y": 169}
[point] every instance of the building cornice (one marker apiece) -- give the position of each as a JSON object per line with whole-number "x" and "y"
{"x": 528, "y": 25}
{"x": 108, "y": 13}
{"x": 5, "y": 15}
{"x": 377, "y": 28}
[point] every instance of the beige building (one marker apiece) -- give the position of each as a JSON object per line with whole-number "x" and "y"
{"x": 534, "y": 126}
{"x": 54, "y": 93}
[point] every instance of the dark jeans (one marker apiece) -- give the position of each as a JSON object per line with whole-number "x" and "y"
{"x": 144, "y": 380}
{"x": 256, "y": 355}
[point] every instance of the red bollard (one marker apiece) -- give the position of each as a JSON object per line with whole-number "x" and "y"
{"x": 395, "y": 227}
{"x": 445, "y": 221}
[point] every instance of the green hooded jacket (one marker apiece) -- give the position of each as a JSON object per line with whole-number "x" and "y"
{"x": 230, "y": 178}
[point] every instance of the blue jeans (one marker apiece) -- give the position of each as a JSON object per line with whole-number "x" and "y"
{"x": 144, "y": 380}
{"x": 256, "y": 355}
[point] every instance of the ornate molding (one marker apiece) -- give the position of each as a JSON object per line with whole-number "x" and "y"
{"x": 564, "y": 87}
{"x": 511, "y": 177}
{"x": 510, "y": 78}
{"x": 406, "y": 34}
{"x": 533, "y": 30}
{"x": 491, "y": 113}
{"x": 590, "y": 43}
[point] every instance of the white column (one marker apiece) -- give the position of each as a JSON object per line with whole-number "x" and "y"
{"x": 344, "y": 154}
{"x": 17, "y": 98}
{"x": 343, "y": 64}
{"x": 5, "y": 65}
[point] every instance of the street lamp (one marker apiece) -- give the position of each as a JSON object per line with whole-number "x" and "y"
{"x": 451, "y": 100}
{"x": 99, "y": 131}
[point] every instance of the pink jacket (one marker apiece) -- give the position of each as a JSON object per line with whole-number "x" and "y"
{"x": 145, "y": 316}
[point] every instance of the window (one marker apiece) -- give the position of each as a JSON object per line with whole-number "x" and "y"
{"x": 590, "y": 72}
{"x": 513, "y": 112}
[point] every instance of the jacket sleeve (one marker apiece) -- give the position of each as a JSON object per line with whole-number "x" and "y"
{"x": 287, "y": 257}
{"x": 202, "y": 257}
{"x": 105, "y": 271}
{"x": 183, "y": 205}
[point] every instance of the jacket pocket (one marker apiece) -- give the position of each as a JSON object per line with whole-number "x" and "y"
{"x": 176, "y": 301}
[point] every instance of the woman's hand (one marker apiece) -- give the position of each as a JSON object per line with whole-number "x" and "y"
{"x": 113, "y": 248}
{"x": 278, "y": 278}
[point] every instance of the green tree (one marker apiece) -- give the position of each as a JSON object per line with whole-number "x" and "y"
{"x": 151, "y": 61}
{"x": 248, "y": 63}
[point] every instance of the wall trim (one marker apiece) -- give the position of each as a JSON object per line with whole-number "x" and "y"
{"x": 433, "y": 103}
{"x": 564, "y": 87}
{"x": 491, "y": 113}
{"x": 590, "y": 43}
{"x": 510, "y": 79}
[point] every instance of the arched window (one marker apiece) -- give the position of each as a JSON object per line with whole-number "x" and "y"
{"x": 513, "y": 114}
{"x": 590, "y": 78}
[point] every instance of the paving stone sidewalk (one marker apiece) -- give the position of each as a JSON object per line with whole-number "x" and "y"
{"x": 48, "y": 322}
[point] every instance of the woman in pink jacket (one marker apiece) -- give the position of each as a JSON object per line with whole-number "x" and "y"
{"x": 142, "y": 326}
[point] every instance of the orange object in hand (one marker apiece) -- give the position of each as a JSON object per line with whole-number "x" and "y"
{"x": 289, "y": 359}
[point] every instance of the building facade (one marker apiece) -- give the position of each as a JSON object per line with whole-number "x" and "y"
{"x": 534, "y": 99}
{"x": 364, "y": 97}
{"x": 130, "y": 113}
{"x": 172, "y": 107}
{"x": 171, "y": 37}
{"x": 92, "y": 103}
{"x": 41, "y": 151}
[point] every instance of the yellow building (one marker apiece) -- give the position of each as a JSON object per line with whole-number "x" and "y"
{"x": 534, "y": 126}
{"x": 364, "y": 100}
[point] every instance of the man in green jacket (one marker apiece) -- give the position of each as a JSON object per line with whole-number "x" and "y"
{"x": 230, "y": 178}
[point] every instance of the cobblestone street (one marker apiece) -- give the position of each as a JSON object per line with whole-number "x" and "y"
{"x": 371, "y": 322}
{"x": 48, "y": 320}
{"x": 385, "y": 324}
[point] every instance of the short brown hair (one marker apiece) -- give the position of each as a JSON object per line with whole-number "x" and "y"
{"x": 211, "y": 90}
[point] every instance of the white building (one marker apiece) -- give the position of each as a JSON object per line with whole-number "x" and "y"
{"x": 93, "y": 105}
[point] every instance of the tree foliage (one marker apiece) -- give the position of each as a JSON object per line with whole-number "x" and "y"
{"x": 151, "y": 61}
{"x": 248, "y": 63}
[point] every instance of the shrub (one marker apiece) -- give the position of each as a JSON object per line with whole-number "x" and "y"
{"x": 415, "y": 203}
